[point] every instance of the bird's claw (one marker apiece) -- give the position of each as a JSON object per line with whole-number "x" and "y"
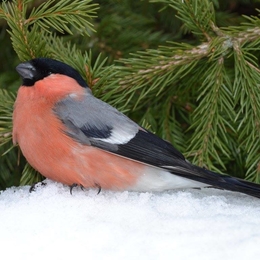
{"x": 75, "y": 185}
{"x": 99, "y": 188}
{"x": 82, "y": 187}
{"x": 33, "y": 186}
{"x": 72, "y": 186}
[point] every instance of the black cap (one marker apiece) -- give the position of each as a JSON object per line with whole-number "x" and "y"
{"x": 40, "y": 68}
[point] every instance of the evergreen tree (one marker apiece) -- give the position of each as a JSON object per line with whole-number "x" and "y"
{"x": 186, "y": 69}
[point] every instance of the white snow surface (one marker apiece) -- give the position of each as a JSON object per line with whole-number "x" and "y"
{"x": 50, "y": 223}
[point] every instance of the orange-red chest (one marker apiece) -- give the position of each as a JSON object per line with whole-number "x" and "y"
{"x": 38, "y": 132}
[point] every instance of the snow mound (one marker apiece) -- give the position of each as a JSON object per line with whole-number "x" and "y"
{"x": 50, "y": 223}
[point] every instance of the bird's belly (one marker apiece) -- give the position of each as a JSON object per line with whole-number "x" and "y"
{"x": 60, "y": 158}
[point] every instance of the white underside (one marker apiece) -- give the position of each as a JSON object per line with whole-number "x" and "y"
{"x": 156, "y": 179}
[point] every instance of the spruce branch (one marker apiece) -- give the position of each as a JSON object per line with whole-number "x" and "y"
{"x": 58, "y": 15}
{"x": 8, "y": 155}
{"x": 30, "y": 176}
{"x": 153, "y": 70}
{"x": 197, "y": 16}
{"x": 247, "y": 95}
{"x": 6, "y": 114}
{"x": 212, "y": 116}
{"x": 26, "y": 30}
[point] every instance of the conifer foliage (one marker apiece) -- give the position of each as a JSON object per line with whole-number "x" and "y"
{"x": 188, "y": 70}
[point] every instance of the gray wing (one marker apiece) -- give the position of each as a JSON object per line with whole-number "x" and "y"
{"x": 91, "y": 121}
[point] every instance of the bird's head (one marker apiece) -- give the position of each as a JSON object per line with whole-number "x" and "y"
{"x": 40, "y": 68}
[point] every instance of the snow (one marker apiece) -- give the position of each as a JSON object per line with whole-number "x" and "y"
{"x": 50, "y": 223}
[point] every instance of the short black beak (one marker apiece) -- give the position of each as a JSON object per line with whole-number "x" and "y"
{"x": 26, "y": 70}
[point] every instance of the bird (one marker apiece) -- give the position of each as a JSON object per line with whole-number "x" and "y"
{"x": 72, "y": 137}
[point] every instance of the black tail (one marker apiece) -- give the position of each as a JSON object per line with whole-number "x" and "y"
{"x": 239, "y": 185}
{"x": 217, "y": 180}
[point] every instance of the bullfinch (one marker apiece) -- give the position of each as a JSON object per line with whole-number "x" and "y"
{"x": 70, "y": 136}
